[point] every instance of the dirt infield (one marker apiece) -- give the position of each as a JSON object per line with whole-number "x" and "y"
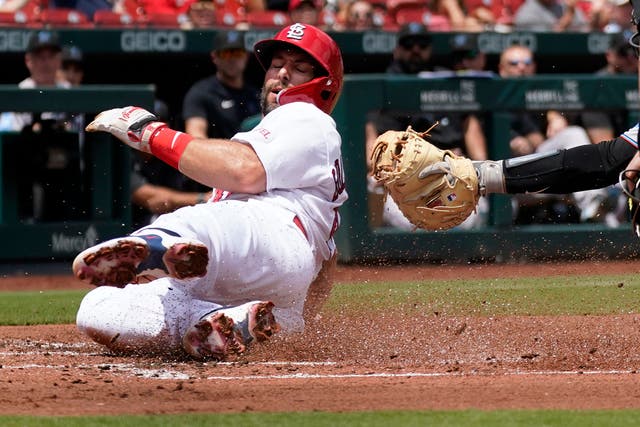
{"x": 345, "y": 362}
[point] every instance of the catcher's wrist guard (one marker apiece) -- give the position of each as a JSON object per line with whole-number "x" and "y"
{"x": 490, "y": 177}
{"x": 434, "y": 188}
{"x": 633, "y": 195}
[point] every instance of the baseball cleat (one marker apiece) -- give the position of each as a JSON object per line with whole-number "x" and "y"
{"x": 230, "y": 330}
{"x": 213, "y": 337}
{"x": 139, "y": 259}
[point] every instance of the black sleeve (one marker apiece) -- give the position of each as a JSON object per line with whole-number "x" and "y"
{"x": 585, "y": 167}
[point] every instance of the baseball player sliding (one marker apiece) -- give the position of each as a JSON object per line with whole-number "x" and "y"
{"x": 210, "y": 279}
{"x": 434, "y": 190}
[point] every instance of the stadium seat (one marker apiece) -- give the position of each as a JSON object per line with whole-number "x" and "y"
{"x": 434, "y": 22}
{"x": 267, "y": 19}
{"x": 19, "y": 18}
{"x": 62, "y": 17}
{"x": 228, "y": 19}
{"x": 133, "y": 8}
{"x": 385, "y": 21}
{"x": 110, "y": 19}
{"x": 393, "y": 5}
{"x": 165, "y": 20}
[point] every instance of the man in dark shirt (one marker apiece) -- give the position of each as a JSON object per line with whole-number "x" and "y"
{"x": 215, "y": 106}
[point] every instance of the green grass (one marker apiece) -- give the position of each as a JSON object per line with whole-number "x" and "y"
{"x": 467, "y": 418}
{"x": 561, "y": 295}
{"x": 38, "y": 308}
{"x": 570, "y": 295}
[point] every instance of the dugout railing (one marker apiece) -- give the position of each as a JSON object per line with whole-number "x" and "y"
{"x": 26, "y": 158}
{"x": 495, "y": 99}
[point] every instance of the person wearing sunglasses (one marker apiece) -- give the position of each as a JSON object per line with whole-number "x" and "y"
{"x": 526, "y": 134}
{"x": 562, "y": 131}
{"x": 215, "y": 106}
{"x": 413, "y": 50}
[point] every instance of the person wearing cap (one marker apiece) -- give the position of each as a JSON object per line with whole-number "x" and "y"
{"x": 459, "y": 132}
{"x": 412, "y": 53}
{"x": 215, "y": 106}
{"x": 53, "y": 174}
{"x": 468, "y": 59}
{"x": 43, "y": 59}
{"x": 305, "y": 11}
{"x": 72, "y": 69}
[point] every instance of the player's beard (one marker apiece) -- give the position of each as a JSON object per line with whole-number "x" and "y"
{"x": 266, "y": 105}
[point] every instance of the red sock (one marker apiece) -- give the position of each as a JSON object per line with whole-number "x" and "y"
{"x": 168, "y": 145}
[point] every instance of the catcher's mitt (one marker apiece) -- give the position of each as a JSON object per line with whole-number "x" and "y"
{"x": 434, "y": 188}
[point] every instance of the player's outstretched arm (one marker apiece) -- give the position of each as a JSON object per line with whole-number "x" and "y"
{"x": 224, "y": 164}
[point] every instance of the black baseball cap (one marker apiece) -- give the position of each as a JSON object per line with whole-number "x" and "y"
{"x": 619, "y": 42}
{"x": 414, "y": 32}
{"x": 44, "y": 40}
{"x": 226, "y": 40}
{"x": 464, "y": 45}
{"x": 71, "y": 55}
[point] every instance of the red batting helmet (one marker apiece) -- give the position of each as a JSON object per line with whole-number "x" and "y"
{"x": 323, "y": 91}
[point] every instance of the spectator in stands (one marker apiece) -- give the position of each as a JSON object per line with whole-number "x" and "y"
{"x": 72, "y": 69}
{"x": 147, "y": 7}
{"x": 87, "y": 7}
{"x": 459, "y": 132}
{"x": 494, "y": 15}
{"x": 201, "y": 14}
{"x": 615, "y": 19}
{"x": 306, "y": 11}
{"x": 456, "y": 14}
{"x": 357, "y": 15}
{"x": 157, "y": 188}
{"x": 550, "y": 15}
{"x": 12, "y": 5}
{"x": 215, "y": 106}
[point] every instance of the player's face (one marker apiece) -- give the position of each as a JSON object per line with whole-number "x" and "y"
{"x": 289, "y": 67}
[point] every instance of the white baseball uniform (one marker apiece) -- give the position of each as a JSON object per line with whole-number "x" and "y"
{"x": 256, "y": 249}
